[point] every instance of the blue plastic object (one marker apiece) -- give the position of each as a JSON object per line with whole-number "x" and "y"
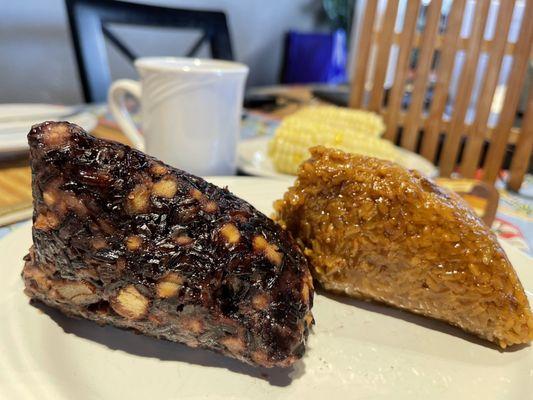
{"x": 315, "y": 57}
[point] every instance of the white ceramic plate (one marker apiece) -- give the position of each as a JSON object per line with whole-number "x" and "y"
{"x": 17, "y": 119}
{"x": 253, "y": 159}
{"x": 357, "y": 350}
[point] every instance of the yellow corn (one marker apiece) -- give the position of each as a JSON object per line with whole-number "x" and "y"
{"x": 362, "y": 121}
{"x": 354, "y": 131}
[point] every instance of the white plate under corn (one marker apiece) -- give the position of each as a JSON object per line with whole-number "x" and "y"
{"x": 253, "y": 159}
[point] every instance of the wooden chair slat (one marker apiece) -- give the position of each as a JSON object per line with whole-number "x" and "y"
{"x": 523, "y": 149}
{"x": 404, "y": 54}
{"x": 474, "y": 144}
{"x": 444, "y": 73}
{"x": 412, "y": 124}
{"x": 357, "y": 88}
{"x": 382, "y": 58}
{"x": 439, "y": 44}
{"x": 445, "y": 127}
{"x": 514, "y": 88}
{"x": 464, "y": 92}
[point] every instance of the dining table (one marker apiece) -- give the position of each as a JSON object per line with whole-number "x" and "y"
{"x": 356, "y": 348}
{"x": 510, "y": 213}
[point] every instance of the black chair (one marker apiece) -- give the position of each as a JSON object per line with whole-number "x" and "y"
{"x": 89, "y": 24}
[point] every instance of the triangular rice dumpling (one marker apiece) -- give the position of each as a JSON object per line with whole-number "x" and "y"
{"x": 123, "y": 239}
{"x": 374, "y": 230}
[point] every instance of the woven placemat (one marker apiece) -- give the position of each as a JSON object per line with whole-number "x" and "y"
{"x": 15, "y": 192}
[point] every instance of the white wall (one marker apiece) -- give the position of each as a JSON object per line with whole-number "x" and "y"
{"x": 37, "y": 62}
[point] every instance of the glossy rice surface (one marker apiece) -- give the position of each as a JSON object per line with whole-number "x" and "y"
{"x": 374, "y": 230}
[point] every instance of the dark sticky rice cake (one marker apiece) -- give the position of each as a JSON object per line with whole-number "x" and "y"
{"x": 123, "y": 239}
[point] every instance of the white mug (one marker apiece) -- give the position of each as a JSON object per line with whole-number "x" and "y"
{"x": 190, "y": 111}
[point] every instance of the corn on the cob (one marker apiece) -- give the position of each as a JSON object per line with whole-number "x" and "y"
{"x": 366, "y": 122}
{"x": 353, "y": 131}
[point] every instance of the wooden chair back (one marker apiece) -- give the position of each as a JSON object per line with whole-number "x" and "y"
{"x": 419, "y": 111}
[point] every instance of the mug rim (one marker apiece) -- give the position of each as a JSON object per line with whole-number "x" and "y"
{"x": 189, "y": 65}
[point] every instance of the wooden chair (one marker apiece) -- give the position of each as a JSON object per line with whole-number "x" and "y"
{"x": 89, "y": 25}
{"x": 450, "y": 142}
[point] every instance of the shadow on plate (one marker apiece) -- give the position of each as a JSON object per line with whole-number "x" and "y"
{"x": 426, "y": 322}
{"x": 145, "y": 346}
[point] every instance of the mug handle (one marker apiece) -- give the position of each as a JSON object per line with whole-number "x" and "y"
{"x": 116, "y": 100}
